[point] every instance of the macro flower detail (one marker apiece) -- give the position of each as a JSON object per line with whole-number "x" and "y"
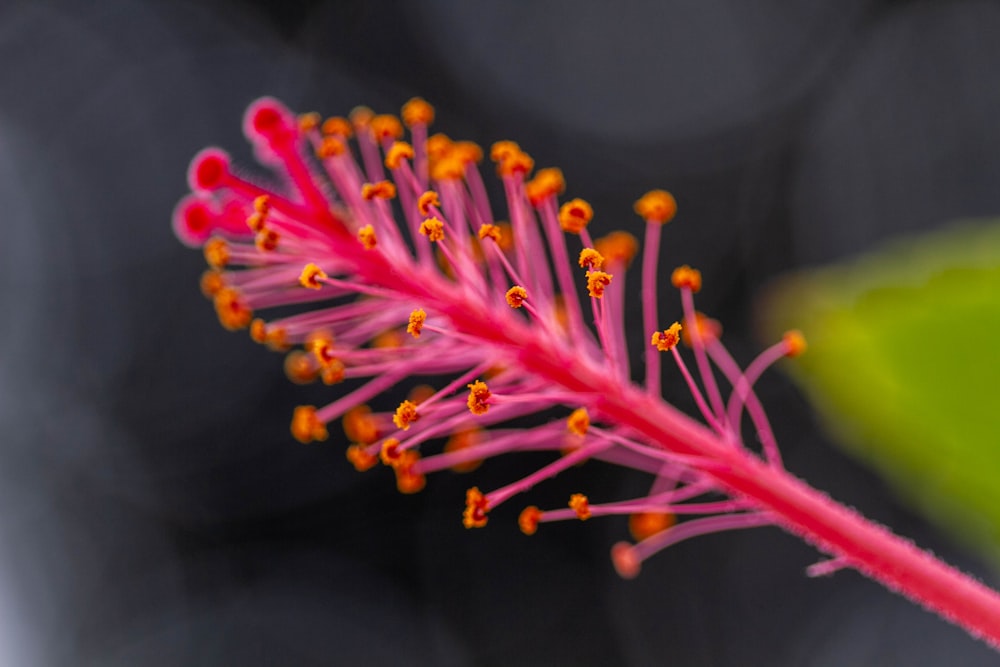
{"x": 370, "y": 238}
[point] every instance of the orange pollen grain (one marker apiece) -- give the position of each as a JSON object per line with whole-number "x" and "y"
{"x": 795, "y": 343}
{"x": 579, "y": 504}
{"x": 211, "y": 282}
{"x": 299, "y": 368}
{"x": 618, "y": 247}
{"x": 386, "y": 126}
{"x": 330, "y": 146}
{"x": 216, "y": 253}
{"x": 320, "y": 343}
{"x": 516, "y": 163}
{"x": 390, "y": 453}
{"x": 360, "y": 458}
{"x": 489, "y": 230}
{"x": 578, "y": 422}
{"x": 267, "y": 240}
{"x": 685, "y": 276}
{"x": 657, "y": 206}
{"x": 501, "y": 150}
{"x": 528, "y": 520}
{"x": 466, "y": 152}
{"x": 379, "y": 190}
{"x": 405, "y": 415}
{"x": 433, "y": 229}
{"x": 597, "y": 282}
{"x": 262, "y": 204}
{"x": 397, "y": 153}
{"x": 309, "y": 121}
{"x": 333, "y": 372}
{"x": 575, "y": 215}
{"x": 360, "y": 426}
{"x": 591, "y": 259}
{"x": 476, "y": 507}
{"x": 416, "y": 323}
{"x": 311, "y": 277}
{"x": 408, "y": 481}
{"x": 417, "y": 111}
{"x": 367, "y": 237}
{"x": 516, "y": 296}
{"x": 546, "y": 183}
{"x": 426, "y": 200}
{"x": 232, "y": 310}
{"x": 337, "y": 126}
{"x": 448, "y": 168}
{"x": 258, "y": 331}
{"x": 306, "y": 425}
{"x": 667, "y": 339}
{"x": 479, "y": 396}
{"x": 256, "y": 221}
{"x": 438, "y": 146}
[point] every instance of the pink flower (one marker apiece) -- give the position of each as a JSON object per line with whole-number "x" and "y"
{"x": 395, "y": 264}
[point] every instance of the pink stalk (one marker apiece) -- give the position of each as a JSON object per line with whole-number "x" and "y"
{"x": 540, "y": 361}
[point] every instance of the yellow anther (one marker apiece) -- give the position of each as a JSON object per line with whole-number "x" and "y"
{"x": 330, "y": 146}
{"x": 546, "y": 183}
{"x": 685, "y": 276}
{"x": 306, "y": 425}
{"x": 267, "y": 240}
{"x": 491, "y": 231}
{"x": 417, "y": 111}
{"x": 333, "y": 372}
{"x": 466, "y": 152}
{"x": 309, "y": 121}
{"x": 386, "y": 126}
{"x": 438, "y": 146}
{"x": 506, "y": 241}
{"x": 618, "y": 247}
{"x": 256, "y": 222}
{"x": 502, "y": 150}
{"x": 405, "y": 415}
{"x": 390, "y": 453}
{"x": 407, "y": 479}
{"x": 416, "y": 323}
{"x": 337, "y": 126}
{"x": 360, "y": 458}
{"x": 597, "y": 282}
{"x": 262, "y": 204}
{"x": 578, "y": 421}
{"x": 657, "y": 206}
{"x": 667, "y": 339}
{"x": 579, "y": 504}
{"x": 320, "y": 343}
{"x": 388, "y": 339}
{"x": 646, "y": 524}
{"x": 476, "y": 508}
{"x": 300, "y": 368}
{"x": 575, "y": 215}
{"x": 367, "y": 237}
{"x": 361, "y": 118}
{"x": 795, "y": 343}
{"x": 360, "y": 426}
{"x": 516, "y": 163}
{"x": 380, "y": 190}
{"x": 211, "y": 282}
{"x": 231, "y": 308}
{"x": 448, "y": 168}
{"x": 528, "y": 520}
{"x": 460, "y": 441}
{"x": 311, "y": 276}
{"x": 708, "y": 329}
{"x": 433, "y": 229}
{"x": 426, "y": 200}
{"x": 216, "y": 253}
{"x": 591, "y": 260}
{"x": 479, "y": 397}
{"x": 258, "y": 331}
{"x": 516, "y": 296}
{"x": 397, "y": 153}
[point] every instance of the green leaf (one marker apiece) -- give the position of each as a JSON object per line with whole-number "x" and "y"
{"x": 904, "y": 366}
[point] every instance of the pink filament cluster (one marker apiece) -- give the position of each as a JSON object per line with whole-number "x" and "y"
{"x": 397, "y": 266}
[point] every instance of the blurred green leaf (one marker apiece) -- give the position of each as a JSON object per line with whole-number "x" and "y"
{"x": 904, "y": 366}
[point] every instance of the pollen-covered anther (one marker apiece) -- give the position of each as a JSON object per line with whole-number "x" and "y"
{"x": 407, "y": 479}
{"x": 231, "y": 308}
{"x": 306, "y": 425}
{"x": 330, "y": 146}
{"x": 386, "y": 126}
{"x": 405, "y": 415}
{"x": 466, "y": 152}
{"x": 360, "y": 458}
{"x": 426, "y": 200}
{"x": 547, "y": 183}
{"x": 211, "y": 282}
{"x": 657, "y": 206}
{"x": 516, "y": 296}
{"x": 618, "y": 247}
{"x": 578, "y": 422}
{"x": 646, "y": 524}
{"x": 333, "y": 372}
{"x": 311, "y": 277}
{"x": 575, "y": 215}
{"x": 528, "y": 520}
{"x": 448, "y": 168}
{"x": 416, "y": 323}
{"x": 258, "y": 331}
{"x": 708, "y": 329}
{"x": 256, "y": 221}
{"x": 379, "y": 190}
{"x": 299, "y": 368}
{"x": 501, "y": 150}
{"x": 591, "y": 260}
{"x": 479, "y": 397}
{"x": 216, "y": 253}
{"x": 337, "y": 126}
{"x": 476, "y": 508}
{"x": 685, "y": 276}
{"x": 489, "y": 230}
{"x": 360, "y": 426}
{"x": 361, "y": 118}
{"x": 267, "y": 240}
{"x": 417, "y": 111}
{"x": 579, "y": 504}
{"x": 262, "y": 204}
{"x": 309, "y": 121}
{"x": 366, "y": 235}
{"x": 276, "y": 338}
{"x": 517, "y": 162}
{"x": 463, "y": 440}
{"x": 390, "y": 454}
{"x": 666, "y": 340}
{"x": 433, "y": 229}
{"x": 320, "y": 343}
{"x": 795, "y": 343}
{"x": 597, "y": 282}
{"x": 398, "y": 152}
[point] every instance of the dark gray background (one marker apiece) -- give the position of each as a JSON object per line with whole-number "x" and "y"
{"x": 155, "y": 510}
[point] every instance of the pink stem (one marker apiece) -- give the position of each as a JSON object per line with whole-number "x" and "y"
{"x": 650, "y": 257}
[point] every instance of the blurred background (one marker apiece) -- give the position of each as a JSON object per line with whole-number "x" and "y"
{"x": 156, "y": 511}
